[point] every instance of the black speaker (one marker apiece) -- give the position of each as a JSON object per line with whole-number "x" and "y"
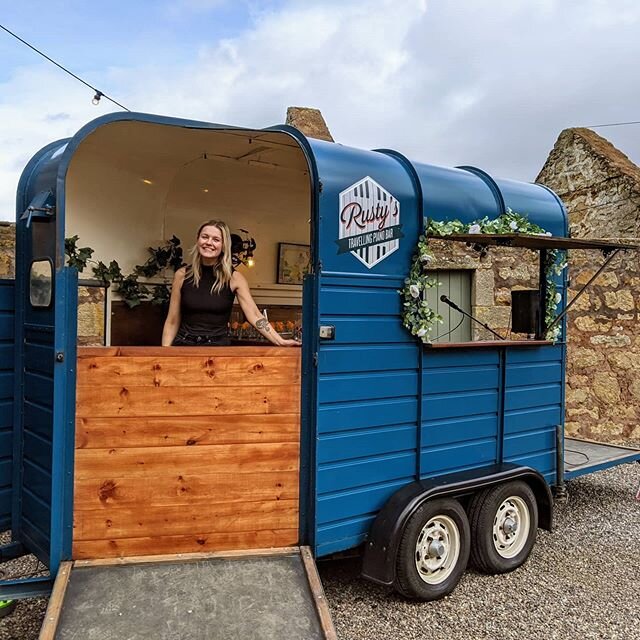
{"x": 525, "y": 311}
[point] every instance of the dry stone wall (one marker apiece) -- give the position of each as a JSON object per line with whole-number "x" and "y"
{"x": 603, "y": 352}
{"x": 600, "y": 187}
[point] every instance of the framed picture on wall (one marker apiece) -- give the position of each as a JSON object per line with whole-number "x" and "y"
{"x": 293, "y": 262}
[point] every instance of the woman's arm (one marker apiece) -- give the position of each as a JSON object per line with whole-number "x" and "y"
{"x": 240, "y": 286}
{"x": 172, "y": 323}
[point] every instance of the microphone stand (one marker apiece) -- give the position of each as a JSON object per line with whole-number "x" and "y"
{"x": 453, "y": 305}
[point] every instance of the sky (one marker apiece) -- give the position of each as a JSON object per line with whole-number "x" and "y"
{"x": 447, "y": 82}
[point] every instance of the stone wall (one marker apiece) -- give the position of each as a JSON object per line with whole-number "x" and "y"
{"x": 7, "y": 250}
{"x": 597, "y": 183}
{"x": 600, "y": 187}
{"x": 603, "y": 353}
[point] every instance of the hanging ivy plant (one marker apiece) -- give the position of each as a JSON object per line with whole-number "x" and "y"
{"x": 133, "y": 292}
{"x": 420, "y": 319}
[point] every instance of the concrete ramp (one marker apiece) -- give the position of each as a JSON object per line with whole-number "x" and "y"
{"x": 267, "y": 596}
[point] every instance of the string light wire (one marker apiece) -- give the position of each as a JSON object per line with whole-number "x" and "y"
{"x": 612, "y": 124}
{"x": 98, "y": 94}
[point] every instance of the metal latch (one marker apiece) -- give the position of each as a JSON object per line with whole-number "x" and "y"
{"x": 327, "y": 332}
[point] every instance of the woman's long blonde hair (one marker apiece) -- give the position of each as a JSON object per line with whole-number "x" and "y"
{"x": 223, "y": 269}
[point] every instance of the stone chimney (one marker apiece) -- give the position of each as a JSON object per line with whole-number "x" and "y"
{"x": 310, "y": 122}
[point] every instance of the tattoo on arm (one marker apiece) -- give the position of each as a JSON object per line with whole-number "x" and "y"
{"x": 262, "y": 324}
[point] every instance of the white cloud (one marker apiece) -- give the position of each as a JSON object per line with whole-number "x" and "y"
{"x": 488, "y": 84}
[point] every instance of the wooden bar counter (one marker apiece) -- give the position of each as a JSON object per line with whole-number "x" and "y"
{"x": 185, "y": 449}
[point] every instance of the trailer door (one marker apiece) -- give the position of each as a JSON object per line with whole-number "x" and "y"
{"x": 367, "y": 363}
{"x": 7, "y": 321}
{"x": 46, "y": 302}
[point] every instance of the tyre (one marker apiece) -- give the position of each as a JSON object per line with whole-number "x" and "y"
{"x": 433, "y": 550}
{"x": 504, "y": 522}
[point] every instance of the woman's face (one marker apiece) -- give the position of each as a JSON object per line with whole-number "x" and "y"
{"x": 210, "y": 244}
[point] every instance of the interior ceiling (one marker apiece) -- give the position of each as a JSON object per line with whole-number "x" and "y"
{"x": 157, "y": 147}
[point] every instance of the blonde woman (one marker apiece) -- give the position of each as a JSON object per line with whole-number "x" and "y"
{"x": 203, "y": 292}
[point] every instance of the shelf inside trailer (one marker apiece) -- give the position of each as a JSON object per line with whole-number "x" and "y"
{"x": 585, "y": 456}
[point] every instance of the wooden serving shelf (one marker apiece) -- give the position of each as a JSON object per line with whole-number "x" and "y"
{"x": 483, "y": 344}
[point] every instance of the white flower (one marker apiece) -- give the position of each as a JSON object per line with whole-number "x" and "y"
{"x": 548, "y": 233}
{"x": 421, "y": 333}
{"x": 414, "y": 290}
{"x": 474, "y": 228}
{"x": 557, "y": 298}
{"x": 513, "y": 225}
{"x": 425, "y": 257}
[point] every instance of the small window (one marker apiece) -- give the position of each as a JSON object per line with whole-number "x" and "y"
{"x": 41, "y": 283}
{"x": 456, "y": 286}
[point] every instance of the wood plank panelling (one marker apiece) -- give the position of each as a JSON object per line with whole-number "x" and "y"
{"x": 160, "y": 461}
{"x": 154, "y": 431}
{"x": 186, "y": 489}
{"x": 199, "y": 541}
{"x": 186, "y": 371}
{"x": 150, "y": 520}
{"x": 186, "y": 450}
{"x": 186, "y": 401}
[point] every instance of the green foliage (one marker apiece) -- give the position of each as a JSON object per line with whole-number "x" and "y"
{"x": 132, "y": 291}
{"x": 76, "y": 257}
{"x": 509, "y": 222}
{"x": 168, "y": 255}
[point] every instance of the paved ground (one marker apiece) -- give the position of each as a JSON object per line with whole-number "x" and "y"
{"x": 582, "y": 581}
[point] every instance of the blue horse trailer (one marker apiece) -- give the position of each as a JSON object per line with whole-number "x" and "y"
{"x": 423, "y": 454}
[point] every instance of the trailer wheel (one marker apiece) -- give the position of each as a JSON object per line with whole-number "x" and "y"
{"x": 504, "y": 522}
{"x": 433, "y": 550}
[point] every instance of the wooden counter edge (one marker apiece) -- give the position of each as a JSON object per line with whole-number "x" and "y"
{"x": 479, "y": 344}
{"x": 168, "y": 352}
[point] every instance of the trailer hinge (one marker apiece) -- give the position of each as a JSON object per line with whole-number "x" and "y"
{"x": 315, "y": 359}
{"x": 320, "y": 186}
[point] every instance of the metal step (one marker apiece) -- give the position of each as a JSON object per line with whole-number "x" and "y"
{"x": 585, "y": 456}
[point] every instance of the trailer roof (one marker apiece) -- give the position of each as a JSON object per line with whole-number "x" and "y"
{"x": 534, "y": 241}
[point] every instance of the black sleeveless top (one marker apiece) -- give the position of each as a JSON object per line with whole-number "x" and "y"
{"x": 203, "y": 313}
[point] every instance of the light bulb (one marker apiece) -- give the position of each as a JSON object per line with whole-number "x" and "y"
{"x": 96, "y": 98}
{"x": 250, "y": 262}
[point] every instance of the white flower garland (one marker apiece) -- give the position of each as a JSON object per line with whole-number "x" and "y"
{"x": 420, "y": 319}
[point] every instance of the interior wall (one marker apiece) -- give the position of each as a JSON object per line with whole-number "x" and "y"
{"x": 271, "y": 203}
{"x": 133, "y": 185}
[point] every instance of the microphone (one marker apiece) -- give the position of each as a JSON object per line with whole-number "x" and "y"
{"x": 453, "y": 305}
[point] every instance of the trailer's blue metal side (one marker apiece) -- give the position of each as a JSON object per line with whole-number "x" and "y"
{"x": 533, "y": 407}
{"x": 390, "y": 411}
{"x": 7, "y": 307}
{"x": 368, "y": 375}
{"x": 461, "y": 401}
{"x": 367, "y": 413}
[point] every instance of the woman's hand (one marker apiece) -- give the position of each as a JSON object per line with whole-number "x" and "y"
{"x": 290, "y": 343}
